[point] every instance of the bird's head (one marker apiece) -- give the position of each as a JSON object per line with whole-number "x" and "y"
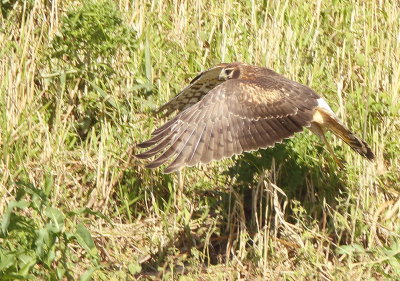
{"x": 229, "y": 72}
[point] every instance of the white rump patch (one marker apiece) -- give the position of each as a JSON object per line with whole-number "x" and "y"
{"x": 322, "y": 103}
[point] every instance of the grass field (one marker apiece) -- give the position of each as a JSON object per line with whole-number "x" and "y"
{"x": 78, "y": 83}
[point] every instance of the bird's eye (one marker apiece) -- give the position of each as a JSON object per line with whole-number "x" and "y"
{"x": 228, "y": 71}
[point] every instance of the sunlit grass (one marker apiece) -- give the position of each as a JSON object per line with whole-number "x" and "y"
{"x": 70, "y": 119}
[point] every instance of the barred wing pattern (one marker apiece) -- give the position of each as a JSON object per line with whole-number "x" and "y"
{"x": 255, "y": 110}
{"x": 196, "y": 90}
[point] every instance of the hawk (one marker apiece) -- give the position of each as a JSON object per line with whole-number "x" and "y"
{"x": 236, "y": 107}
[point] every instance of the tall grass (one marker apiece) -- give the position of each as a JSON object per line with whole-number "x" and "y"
{"x": 74, "y": 102}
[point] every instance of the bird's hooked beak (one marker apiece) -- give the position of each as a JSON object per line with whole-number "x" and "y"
{"x": 222, "y": 76}
{"x": 226, "y": 74}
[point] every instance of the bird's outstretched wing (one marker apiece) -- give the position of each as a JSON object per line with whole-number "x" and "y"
{"x": 254, "y": 111}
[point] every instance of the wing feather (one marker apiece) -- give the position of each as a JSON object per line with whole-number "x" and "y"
{"x": 250, "y": 142}
{"x": 208, "y": 149}
{"x": 227, "y": 141}
{"x": 233, "y": 120}
{"x": 197, "y": 147}
{"x": 184, "y": 149}
{"x": 201, "y": 147}
{"x": 272, "y": 135}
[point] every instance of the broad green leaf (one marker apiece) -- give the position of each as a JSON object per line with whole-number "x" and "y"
{"x": 7, "y": 215}
{"x": 48, "y": 182}
{"x": 56, "y": 217}
{"x": 7, "y": 260}
{"x": 42, "y": 236}
{"x": 60, "y": 271}
{"x": 25, "y": 269}
{"x": 85, "y": 240}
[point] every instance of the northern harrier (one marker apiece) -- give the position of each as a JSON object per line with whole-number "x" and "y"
{"x": 235, "y": 107}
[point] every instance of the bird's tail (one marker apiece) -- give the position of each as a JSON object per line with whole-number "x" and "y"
{"x": 340, "y": 130}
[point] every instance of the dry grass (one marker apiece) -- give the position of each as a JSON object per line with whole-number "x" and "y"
{"x": 71, "y": 114}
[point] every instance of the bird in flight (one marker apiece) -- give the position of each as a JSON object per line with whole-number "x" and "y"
{"x": 236, "y": 107}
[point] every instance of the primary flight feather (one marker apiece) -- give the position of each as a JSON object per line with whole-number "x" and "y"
{"x": 235, "y": 107}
